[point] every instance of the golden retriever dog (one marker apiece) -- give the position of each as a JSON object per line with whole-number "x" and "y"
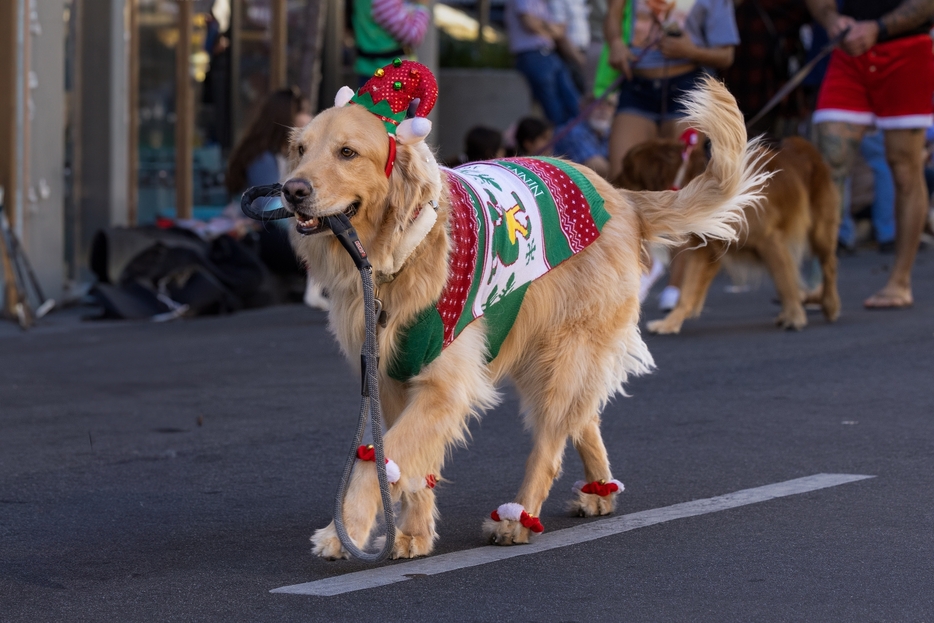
{"x": 571, "y": 348}
{"x": 800, "y": 209}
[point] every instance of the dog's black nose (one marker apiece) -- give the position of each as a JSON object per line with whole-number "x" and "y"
{"x": 296, "y": 190}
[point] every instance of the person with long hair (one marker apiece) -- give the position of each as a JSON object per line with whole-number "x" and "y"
{"x": 675, "y": 43}
{"x": 259, "y": 159}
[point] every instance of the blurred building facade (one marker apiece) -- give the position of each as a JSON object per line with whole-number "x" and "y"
{"x": 114, "y": 112}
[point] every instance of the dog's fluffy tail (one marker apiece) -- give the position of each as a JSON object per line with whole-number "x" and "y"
{"x": 712, "y": 205}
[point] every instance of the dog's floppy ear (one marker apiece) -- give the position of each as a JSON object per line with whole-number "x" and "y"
{"x": 343, "y": 96}
{"x": 415, "y": 181}
{"x": 413, "y": 130}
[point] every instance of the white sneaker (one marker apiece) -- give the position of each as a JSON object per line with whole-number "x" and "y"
{"x": 668, "y": 298}
{"x": 647, "y": 281}
{"x": 314, "y": 296}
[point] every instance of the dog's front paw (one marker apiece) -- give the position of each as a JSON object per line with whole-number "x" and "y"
{"x": 593, "y": 505}
{"x": 327, "y": 545}
{"x": 665, "y": 326}
{"x": 409, "y": 545}
{"x": 794, "y": 318}
{"x": 506, "y": 532}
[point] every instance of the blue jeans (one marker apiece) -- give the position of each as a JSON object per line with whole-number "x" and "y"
{"x": 872, "y": 148}
{"x": 551, "y": 84}
{"x": 657, "y": 99}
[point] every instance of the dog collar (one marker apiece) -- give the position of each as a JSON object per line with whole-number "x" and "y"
{"x": 417, "y": 231}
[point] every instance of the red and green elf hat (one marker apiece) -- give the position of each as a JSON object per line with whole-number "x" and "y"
{"x": 389, "y": 93}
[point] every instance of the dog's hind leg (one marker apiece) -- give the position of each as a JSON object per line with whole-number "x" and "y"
{"x": 701, "y": 266}
{"x": 541, "y": 468}
{"x": 563, "y": 386}
{"x": 784, "y": 271}
{"x": 823, "y": 238}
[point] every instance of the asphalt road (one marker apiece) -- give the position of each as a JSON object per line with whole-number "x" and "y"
{"x": 175, "y": 472}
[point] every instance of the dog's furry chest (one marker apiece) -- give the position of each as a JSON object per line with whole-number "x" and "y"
{"x": 512, "y": 221}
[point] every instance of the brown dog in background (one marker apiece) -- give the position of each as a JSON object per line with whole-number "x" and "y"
{"x": 800, "y": 210}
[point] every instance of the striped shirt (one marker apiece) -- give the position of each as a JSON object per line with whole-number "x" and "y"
{"x": 406, "y": 23}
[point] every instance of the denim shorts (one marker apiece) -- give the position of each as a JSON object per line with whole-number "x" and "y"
{"x": 645, "y": 97}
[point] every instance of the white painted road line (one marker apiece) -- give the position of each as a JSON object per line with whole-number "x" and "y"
{"x": 383, "y": 576}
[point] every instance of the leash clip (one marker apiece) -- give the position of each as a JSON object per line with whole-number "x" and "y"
{"x": 382, "y": 318}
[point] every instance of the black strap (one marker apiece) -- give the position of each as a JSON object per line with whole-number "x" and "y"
{"x": 256, "y": 211}
{"x": 378, "y": 55}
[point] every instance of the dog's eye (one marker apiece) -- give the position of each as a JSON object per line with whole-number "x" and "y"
{"x": 301, "y": 151}
{"x": 347, "y": 152}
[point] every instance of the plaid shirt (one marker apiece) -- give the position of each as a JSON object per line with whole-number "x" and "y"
{"x": 760, "y": 66}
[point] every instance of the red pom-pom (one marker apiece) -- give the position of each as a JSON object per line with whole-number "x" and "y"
{"x": 366, "y": 453}
{"x": 602, "y": 489}
{"x": 530, "y": 522}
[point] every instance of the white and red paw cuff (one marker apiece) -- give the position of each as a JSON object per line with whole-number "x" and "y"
{"x": 368, "y": 453}
{"x": 602, "y": 488}
{"x": 393, "y": 473}
{"x": 512, "y": 511}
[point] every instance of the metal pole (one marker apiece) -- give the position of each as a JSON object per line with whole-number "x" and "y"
{"x": 332, "y": 62}
{"x": 279, "y": 41}
{"x": 77, "y": 79}
{"x": 236, "y": 47}
{"x": 184, "y": 114}
{"x": 427, "y": 54}
{"x": 21, "y": 100}
{"x": 133, "y": 117}
{"x": 9, "y": 104}
{"x": 484, "y": 18}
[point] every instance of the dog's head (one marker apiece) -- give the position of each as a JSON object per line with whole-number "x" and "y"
{"x": 345, "y": 161}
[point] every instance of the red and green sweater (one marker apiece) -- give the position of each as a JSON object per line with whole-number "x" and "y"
{"x": 512, "y": 221}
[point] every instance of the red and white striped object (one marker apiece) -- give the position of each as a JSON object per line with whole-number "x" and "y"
{"x": 407, "y": 24}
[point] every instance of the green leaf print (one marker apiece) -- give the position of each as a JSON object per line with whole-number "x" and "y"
{"x": 490, "y": 299}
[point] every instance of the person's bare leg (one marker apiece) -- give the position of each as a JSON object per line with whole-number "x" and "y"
{"x": 627, "y": 131}
{"x": 838, "y": 143}
{"x": 904, "y": 149}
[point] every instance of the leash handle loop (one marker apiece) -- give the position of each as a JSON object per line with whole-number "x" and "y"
{"x": 257, "y": 212}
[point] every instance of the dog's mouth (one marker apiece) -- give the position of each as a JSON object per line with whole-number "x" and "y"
{"x": 311, "y": 225}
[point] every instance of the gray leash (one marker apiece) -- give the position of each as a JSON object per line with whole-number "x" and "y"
{"x": 255, "y": 203}
{"x": 369, "y": 404}
{"x": 797, "y": 79}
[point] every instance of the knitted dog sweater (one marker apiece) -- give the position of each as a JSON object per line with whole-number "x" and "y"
{"x": 512, "y": 221}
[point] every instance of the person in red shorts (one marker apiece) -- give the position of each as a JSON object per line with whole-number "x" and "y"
{"x": 883, "y": 76}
